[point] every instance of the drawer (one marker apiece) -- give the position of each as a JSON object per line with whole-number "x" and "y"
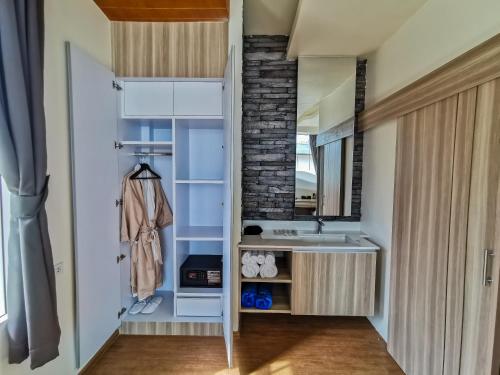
{"x": 198, "y": 99}
{"x": 199, "y": 306}
{"x": 148, "y": 98}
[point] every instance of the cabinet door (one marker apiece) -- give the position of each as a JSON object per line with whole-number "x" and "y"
{"x": 481, "y": 324}
{"x": 203, "y": 98}
{"x": 228, "y": 206}
{"x": 333, "y": 283}
{"x": 95, "y": 189}
{"x": 425, "y": 197}
{"x": 147, "y": 99}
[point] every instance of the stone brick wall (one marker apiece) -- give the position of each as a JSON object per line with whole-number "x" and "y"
{"x": 357, "y": 168}
{"x": 269, "y": 131}
{"x": 269, "y": 128}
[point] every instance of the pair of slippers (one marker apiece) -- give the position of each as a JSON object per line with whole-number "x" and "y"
{"x": 146, "y": 306}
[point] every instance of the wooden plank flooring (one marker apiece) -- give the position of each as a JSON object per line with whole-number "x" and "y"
{"x": 267, "y": 344}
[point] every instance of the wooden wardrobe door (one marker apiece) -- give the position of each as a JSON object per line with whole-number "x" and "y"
{"x": 462, "y": 162}
{"x": 481, "y": 301}
{"x": 419, "y": 261}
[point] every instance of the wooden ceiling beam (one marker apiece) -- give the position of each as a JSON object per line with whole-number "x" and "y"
{"x": 165, "y": 10}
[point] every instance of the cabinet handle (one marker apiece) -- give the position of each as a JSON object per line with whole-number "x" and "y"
{"x": 487, "y": 255}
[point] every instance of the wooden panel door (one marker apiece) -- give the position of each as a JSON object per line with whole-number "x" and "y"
{"x": 462, "y": 161}
{"x": 95, "y": 189}
{"x": 333, "y": 283}
{"x": 481, "y": 298}
{"x": 419, "y": 260}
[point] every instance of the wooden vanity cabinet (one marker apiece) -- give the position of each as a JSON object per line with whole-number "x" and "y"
{"x": 333, "y": 283}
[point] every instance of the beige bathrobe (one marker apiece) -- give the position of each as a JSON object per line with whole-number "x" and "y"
{"x": 146, "y": 266}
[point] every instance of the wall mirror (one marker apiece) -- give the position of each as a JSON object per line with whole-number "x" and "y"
{"x": 325, "y": 136}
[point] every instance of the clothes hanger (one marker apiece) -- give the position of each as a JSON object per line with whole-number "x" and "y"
{"x": 145, "y": 167}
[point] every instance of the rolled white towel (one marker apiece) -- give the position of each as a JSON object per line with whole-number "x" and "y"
{"x": 268, "y": 270}
{"x": 246, "y": 258}
{"x": 250, "y": 270}
{"x": 270, "y": 258}
{"x": 254, "y": 257}
{"x": 261, "y": 257}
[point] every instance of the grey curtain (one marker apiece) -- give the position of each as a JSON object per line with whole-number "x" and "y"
{"x": 314, "y": 150}
{"x": 33, "y": 326}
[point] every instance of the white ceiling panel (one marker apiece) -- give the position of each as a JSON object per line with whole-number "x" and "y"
{"x": 346, "y": 27}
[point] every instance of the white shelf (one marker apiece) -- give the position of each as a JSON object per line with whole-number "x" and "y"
{"x": 201, "y": 117}
{"x": 165, "y": 313}
{"x": 146, "y": 143}
{"x": 216, "y": 182}
{"x": 199, "y": 233}
{"x": 199, "y": 292}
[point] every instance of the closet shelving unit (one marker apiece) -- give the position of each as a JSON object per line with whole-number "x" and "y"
{"x": 192, "y": 178}
{"x": 183, "y": 129}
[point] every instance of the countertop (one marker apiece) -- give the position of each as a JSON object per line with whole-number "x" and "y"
{"x": 357, "y": 243}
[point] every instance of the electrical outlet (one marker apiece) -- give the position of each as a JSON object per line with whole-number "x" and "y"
{"x": 58, "y": 267}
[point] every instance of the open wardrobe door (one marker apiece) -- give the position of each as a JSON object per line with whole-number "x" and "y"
{"x": 95, "y": 190}
{"x": 228, "y": 107}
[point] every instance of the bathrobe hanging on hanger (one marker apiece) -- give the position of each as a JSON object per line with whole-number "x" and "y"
{"x": 146, "y": 266}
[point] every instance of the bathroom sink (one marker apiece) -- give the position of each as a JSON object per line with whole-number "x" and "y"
{"x": 310, "y": 240}
{"x": 323, "y": 237}
{"x": 305, "y": 236}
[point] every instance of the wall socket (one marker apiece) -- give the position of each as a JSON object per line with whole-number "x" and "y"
{"x": 58, "y": 267}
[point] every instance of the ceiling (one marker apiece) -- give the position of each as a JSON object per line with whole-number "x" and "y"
{"x": 165, "y": 10}
{"x": 346, "y": 27}
{"x": 268, "y": 17}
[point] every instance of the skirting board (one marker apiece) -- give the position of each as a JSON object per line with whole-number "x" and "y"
{"x": 172, "y": 328}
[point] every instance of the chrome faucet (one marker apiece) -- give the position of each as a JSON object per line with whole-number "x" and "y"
{"x": 321, "y": 224}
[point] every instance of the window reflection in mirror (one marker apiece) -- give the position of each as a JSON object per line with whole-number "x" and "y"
{"x": 325, "y": 128}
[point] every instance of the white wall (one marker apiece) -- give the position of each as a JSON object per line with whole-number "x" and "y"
{"x": 438, "y": 32}
{"x": 376, "y": 208}
{"x": 82, "y": 22}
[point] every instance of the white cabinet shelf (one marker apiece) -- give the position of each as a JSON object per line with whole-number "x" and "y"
{"x": 146, "y": 143}
{"x": 212, "y": 292}
{"x": 217, "y": 182}
{"x": 199, "y": 233}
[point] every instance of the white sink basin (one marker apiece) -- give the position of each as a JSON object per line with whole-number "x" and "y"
{"x": 323, "y": 237}
{"x": 309, "y": 240}
{"x": 306, "y": 236}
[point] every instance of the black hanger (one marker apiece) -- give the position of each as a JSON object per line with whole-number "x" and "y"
{"x": 145, "y": 167}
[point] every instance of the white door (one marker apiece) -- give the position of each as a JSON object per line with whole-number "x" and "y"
{"x": 95, "y": 189}
{"x": 227, "y": 99}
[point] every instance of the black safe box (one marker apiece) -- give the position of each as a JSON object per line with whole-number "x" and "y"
{"x": 202, "y": 271}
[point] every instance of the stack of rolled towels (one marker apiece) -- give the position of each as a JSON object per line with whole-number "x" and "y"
{"x": 260, "y": 297}
{"x": 261, "y": 263}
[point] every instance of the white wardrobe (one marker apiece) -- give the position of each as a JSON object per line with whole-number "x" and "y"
{"x": 183, "y": 129}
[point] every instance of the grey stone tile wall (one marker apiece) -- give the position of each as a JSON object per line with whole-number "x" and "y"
{"x": 269, "y": 131}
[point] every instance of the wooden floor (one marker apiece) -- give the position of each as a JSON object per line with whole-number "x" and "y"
{"x": 277, "y": 345}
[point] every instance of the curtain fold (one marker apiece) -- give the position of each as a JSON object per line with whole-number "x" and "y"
{"x": 314, "y": 150}
{"x": 32, "y": 325}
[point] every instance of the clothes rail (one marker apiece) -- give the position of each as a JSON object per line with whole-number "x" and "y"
{"x": 151, "y": 154}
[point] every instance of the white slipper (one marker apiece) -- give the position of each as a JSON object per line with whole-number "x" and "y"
{"x": 152, "y": 305}
{"x": 138, "y": 307}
